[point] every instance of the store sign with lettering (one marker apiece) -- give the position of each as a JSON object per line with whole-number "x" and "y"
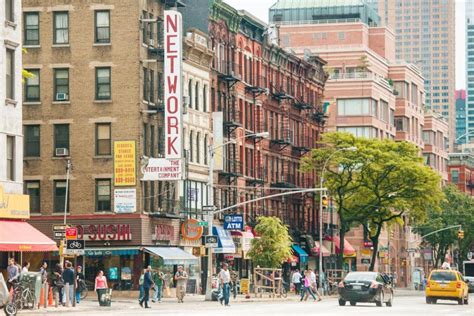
{"x": 164, "y": 232}
{"x": 173, "y": 25}
{"x": 161, "y": 169}
{"x": 190, "y": 230}
{"x": 98, "y": 232}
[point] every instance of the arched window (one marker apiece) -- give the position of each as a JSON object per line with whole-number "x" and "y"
{"x": 205, "y": 150}
{"x": 191, "y": 140}
{"x": 190, "y": 93}
{"x": 198, "y": 147}
{"x": 196, "y": 96}
{"x": 204, "y": 98}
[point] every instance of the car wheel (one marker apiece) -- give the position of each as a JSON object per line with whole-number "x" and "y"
{"x": 342, "y": 302}
{"x": 429, "y": 300}
{"x": 380, "y": 299}
{"x": 461, "y": 301}
{"x": 466, "y": 300}
{"x": 353, "y": 303}
{"x": 389, "y": 302}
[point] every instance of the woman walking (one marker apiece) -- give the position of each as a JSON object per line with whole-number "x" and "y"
{"x": 100, "y": 284}
{"x": 80, "y": 283}
{"x": 307, "y": 287}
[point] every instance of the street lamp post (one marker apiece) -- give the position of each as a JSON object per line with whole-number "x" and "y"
{"x": 212, "y": 151}
{"x": 321, "y": 182}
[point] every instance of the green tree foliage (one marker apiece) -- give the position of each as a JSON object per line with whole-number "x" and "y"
{"x": 376, "y": 185}
{"x": 274, "y": 245}
{"x": 456, "y": 209}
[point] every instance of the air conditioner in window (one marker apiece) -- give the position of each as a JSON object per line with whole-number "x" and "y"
{"x": 61, "y": 96}
{"x": 151, "y": 42}
{"x": 62, "y": 152}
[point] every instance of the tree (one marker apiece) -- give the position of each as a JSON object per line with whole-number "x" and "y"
{"x": 395, "y": 186}
{"x": 456, "y": 209}
{"x": 274, "y": 245}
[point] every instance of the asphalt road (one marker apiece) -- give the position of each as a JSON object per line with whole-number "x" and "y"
{"x": 404, "y": 305}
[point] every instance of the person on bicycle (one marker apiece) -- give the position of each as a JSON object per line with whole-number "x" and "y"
{"x": 80, "y": 283}
{"x": 13, "y": 273}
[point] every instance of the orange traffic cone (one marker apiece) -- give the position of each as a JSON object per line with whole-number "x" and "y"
{"x": 50, "y": 297}
{"x": 41, "y": 300}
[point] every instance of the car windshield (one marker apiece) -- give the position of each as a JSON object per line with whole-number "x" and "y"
{"x": 361, "y": 276}
{"x": 443, "y": 276}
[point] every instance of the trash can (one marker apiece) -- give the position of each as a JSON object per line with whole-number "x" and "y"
{"x": 105, "y": 297}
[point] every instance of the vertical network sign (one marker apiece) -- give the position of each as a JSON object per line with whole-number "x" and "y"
{"x": 173, "y": 77}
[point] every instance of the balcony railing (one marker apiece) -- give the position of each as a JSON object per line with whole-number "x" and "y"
{"x": 228, "y": 71}
{"x": 301, "y": 104}
{"x": 232, "y": 168}
{"x": 257, "y": 84}
{"x": 363, "y": 75}
{"x": 284, "y": 181}
{"x": 283, "y": 137}
{"x": 304, "y": 143}
{"x": 256, "y": 176}
{"x": 232, "y": 117}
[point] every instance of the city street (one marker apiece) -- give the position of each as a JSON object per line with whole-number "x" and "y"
{"x": 403, "y": 305}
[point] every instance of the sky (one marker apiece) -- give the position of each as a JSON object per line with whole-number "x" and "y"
{"x": 259, "y": 8}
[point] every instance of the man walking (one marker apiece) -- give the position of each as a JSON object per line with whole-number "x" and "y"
{"x": 314, "y": 285}
{"x": 147, "y": 284}
{"x": 68, "y": 277}
{"x": 158, "y": 278}
{"x": 13, "y": 273}
{"x": 224, "y": 278}
{"x": 181, "y": 278}
{"x": 296, "y": 280}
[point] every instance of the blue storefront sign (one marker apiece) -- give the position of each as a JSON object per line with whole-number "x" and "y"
{"x": 233, "y": 222}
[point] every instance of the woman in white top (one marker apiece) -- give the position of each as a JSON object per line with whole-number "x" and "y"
{"x": 26, "y": 267}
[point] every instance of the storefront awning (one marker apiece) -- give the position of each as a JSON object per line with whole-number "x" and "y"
{"x": 301, "y": 253}
{"x": 245, "y": 239}
{"x": 349, "y": 251}
{"x": 22, "y": 237}
{"x": 172, "y": 255}
{"x": 226, "y": 243}
{"x": 315, "y": 250}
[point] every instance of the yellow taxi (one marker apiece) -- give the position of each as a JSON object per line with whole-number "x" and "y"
{"x": 446, "y": 285}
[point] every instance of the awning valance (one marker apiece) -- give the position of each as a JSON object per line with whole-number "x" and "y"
{"x": 22, "y": 237}
{"x": 172, "y": 255}
{"x": 315, "y": 250}
{"x": 112, "y": 251}
{"x": 226, "y": 243}
{"x": 301, "y": 253}
{"x": 349, "y": 251}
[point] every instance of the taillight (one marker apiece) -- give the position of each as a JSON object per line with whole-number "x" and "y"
{"x": 374, "y": 285}
{"x": 458, "y": 284}
{"x": 428, "y": 285}
{"x": 341, "y": 284}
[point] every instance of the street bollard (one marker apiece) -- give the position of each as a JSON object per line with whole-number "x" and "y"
{"x": 66, "y": 291}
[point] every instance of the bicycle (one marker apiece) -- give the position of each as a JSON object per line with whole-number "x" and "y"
{"x": 82, "y": 288}
{"x": 23, "y": 297}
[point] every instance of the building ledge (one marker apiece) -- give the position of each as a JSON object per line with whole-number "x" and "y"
{"x": 62, "y": 102}
{"x": 61, "y": 158}
{"x": 103, "y": 101}
{"x": 60, "y": 45}
{"x": 10, "y": 24}
{"x": 103, "y": 157}
{"x": 32, "y": 103}
{"x": 101, "y": 44}
{"x": 31, "y": 158}
{"x": 31, "y": 46}
{"x": 11, "y": 102}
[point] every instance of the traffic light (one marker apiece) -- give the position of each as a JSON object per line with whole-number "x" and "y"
{"x": 324, "y": 202}
{"x": 460, "y": 234}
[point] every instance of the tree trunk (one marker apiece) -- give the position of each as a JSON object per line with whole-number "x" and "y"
{"x": 375, "y": 245}
{"x": 340, "y": 256}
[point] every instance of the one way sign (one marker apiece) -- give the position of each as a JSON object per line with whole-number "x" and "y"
{"x": 233, "y": 222}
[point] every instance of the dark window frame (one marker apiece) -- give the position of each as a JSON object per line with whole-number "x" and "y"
{"x": 56, "y": 140}
{"x": 28, "y": 29}
{"x": 98, "y": 40}
{"x": 56, "y": 85}
{"x": 10, "y": 10}
{"x": 58, "y": 205}
{"x": 35, "y": 200}
{"x": 105, "y": 84}
{"x": 29, "y": 86}
{"x": 10, "y": 78}
{"x": 106, "y": 206}
{"x": 56, "y": 29}
{"x": 97, "y": 140}
{"x": 10, "y": 157}
{"x": 32, "y": 142}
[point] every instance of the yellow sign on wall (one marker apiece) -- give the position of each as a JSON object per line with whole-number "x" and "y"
{"x": 124, "y": 163}
{"x": 244, "y": 286}
{"x": 14, "y": 206}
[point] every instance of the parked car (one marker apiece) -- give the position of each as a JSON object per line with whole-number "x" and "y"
{"x": 446, "y": 285}
{"x": 470, "y": 283}
{"x": 366, "y": 287}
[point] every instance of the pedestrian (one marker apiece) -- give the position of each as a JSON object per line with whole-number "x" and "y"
{"x": 100, "y": 285}
{"x": 68, "y": 278}
{"x": 181, "y": 278}
{"x": 158, "y": 279}
{"x": 306, "y": 291}
{"x": 147, "y": 284}
{"x": 395, "y": 276}
{"x": 141, "y": 280}
{"x": 314, "y": 284}
{"x": 26, "y": 267}
{"x": 44, "y": 272}
{"x": 296, "y": 280}
{"x": 13, "y": 273}
{"x": 80, "y": 283}
{"x": 234, "y": 279}
{"x": 224, "y": 278}
{"x": 167, "y": 284}
{"x": 58, "y": 284}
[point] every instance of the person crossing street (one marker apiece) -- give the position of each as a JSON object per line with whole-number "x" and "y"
{"x": 224, "y": 278}
{"x": 181, "y": 278}
{"x": 158, "y": 278}
{"x": 147, "y": 284}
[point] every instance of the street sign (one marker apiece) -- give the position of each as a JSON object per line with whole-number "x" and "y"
{"x": 411, "y": 250}
{"x": 211, "y": 241}
{"x": 58, "y": 235}
{"x": 204, "y": 224}
{"x": 208, "y": 208}
{"x": 470, "y": 254}
{"x": 71, "y": 233}
{"x": 365, "y": 261}
{"x": 75, "y": 247}
{"x": 233, "y": 222}
{"x": 59, "y": 227}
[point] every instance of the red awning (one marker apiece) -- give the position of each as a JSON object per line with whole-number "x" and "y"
{"x": 22, "y": 237}
{"x": 349, "y": 251}
{"x": 315, "y": 250}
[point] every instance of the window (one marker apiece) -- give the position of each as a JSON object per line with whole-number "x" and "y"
{"x": 198, "y": 147}
{"x": 11, "y": 158}
{"x": 148, "y": 85}
{"x": 359, "y": 131}
{"x": 31, "y": 28}
{"x": 205, "y": 149}
{"x": 102, "y": 84}
{"x": 151, "y": 79}
{"x": 61, "y": 137}
{"x": 190, "y": 93}
{"x": 61, "y": 84}
{"x": 204, "y": 98}
{"x": 60, "y": 196}
{"x": 61, "y": 28}
{"x": 102, "y": 139}
{"x": 102, "y": 26}
{"x": 102, "y": 195}
{"x": 454, "y": 176}
{"x": 10, "y": 74}
{"x": 196, "y": 96}
{"x": 341, "y": 35}
{"x": 9, "y": 12}
{"x": 401, "y": 89}
{"x": 32, "y": 141}
{"x": 356, "y": 107}
{"x": 401, "y": 124}
{"x": 32, "y": 188}
{"x": 32, "y": 86}
{"x": 384, "y": 111}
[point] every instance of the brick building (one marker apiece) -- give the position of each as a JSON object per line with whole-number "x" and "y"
{"x": 461, "y": 171}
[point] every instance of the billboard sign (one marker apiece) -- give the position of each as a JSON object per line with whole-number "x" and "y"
{"x": 125, "y": 201}
{"x": 173, "y": 25}
{"x": 124, "y": 163}
{"x": 162, "y": 169}
{"x": 233, "y": 222}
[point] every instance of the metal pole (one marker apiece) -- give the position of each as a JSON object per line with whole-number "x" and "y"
{"x": 210, "y": 220}
{"x": 321, "y": 230}
{"x": 68, "y": 167}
